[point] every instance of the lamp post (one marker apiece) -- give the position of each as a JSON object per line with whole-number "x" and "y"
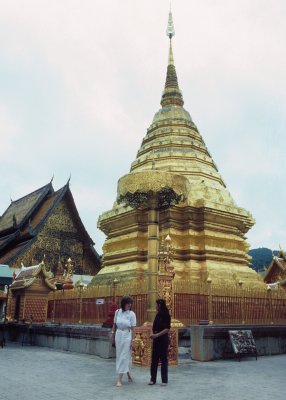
{"x": 6, "y": 305}
{"x": 269, "y": 295}
{"x": 54, "y": 306}
{"x": 81, "y": 286}
{"x": 114, "y": 284}
{"x": 5, "y": 313}
{"x": 240, "y": 283}
{"x": 210, "y": 301}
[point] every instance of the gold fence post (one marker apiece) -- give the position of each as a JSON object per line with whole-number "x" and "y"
{"x": 269, "y": 295}
{"x": 114, "y": 284}
{"x": 242, "y": 302}
{"x": 81, "y": 285}
{"x": 210, "y": 302}
{"x": 54, "y": 306}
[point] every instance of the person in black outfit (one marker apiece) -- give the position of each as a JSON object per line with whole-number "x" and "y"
{"x": 160, "y": 336}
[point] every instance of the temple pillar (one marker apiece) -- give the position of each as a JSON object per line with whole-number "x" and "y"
{"x": 153, "y": 247}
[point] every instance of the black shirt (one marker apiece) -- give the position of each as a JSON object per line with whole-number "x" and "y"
{"x": 162, "y": 321}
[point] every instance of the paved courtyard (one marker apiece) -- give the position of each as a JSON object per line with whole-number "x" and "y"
{"x": 38, "y": 373}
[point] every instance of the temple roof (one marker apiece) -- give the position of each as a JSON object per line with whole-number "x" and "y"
{"x": 24, "y": 219}
{"x": 20, "y": 210}
{"x": 28, "y": 275}
{"x": 278, "y": 264}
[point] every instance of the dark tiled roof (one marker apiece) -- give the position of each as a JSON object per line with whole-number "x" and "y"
{"x": 20, "y": 210}
{"x": 8, "y": 256}
{"x": 31, "y": 213}
{"x": 6, "y": 239}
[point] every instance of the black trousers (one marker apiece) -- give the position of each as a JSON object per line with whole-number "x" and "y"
{"x": 160, "y": 353}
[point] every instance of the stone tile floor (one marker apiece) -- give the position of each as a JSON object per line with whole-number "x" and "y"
{"x": 38, "y": 373}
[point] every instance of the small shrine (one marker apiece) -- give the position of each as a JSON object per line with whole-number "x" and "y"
{"x": 28, "y": 298}
{"x": 275, "y": 275}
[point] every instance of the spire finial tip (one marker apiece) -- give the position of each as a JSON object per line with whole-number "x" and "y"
{"x": 170, "y": 32}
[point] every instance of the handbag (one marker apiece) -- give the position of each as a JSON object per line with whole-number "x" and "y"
{"x": 115, "y": 329}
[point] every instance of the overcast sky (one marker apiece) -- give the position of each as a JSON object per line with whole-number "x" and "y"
{"x": 80, "y": 81}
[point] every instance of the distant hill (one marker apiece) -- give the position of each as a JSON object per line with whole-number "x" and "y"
{"x": 261, "y": 258}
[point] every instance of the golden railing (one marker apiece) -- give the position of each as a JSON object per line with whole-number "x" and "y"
{"x": 91, "y": 305}
{"x": 193, "y": 303}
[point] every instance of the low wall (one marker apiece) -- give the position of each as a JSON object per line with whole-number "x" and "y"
{"x": 208, "y": 342}
{"x": 90, "y": 339}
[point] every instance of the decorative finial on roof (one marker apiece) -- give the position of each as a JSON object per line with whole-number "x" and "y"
{"x": 69, "y": 267}
{"x": 172, "y": 94}
{"x": 170, "y": 32}
{"x": 60, "y": 268}
{"x": 281, "y": 254}
{"x": 68, "y": 182}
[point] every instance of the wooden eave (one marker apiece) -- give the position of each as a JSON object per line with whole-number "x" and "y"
{"x": 14, "y": 251}
{"x": 4, "y": 241}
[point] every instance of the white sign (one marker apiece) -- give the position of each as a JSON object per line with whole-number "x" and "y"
{"x": 99, "y": 301}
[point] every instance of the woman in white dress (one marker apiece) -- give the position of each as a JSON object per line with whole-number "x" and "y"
{"x": 123, "y": 330}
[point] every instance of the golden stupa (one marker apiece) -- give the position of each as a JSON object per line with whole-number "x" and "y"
{"x": 207, "y": 228}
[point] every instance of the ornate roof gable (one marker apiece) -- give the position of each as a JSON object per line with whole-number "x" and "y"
{"x": 19, "y": 211}
{"x": 27, "y": 277}
{"x": 32, "y": 212}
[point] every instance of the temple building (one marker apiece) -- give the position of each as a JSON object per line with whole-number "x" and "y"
{"x": 29, "y": 291}
{"x": 208, "y": 229}
{"x": 45, "y": 224}
{"x": 275, "y": 274}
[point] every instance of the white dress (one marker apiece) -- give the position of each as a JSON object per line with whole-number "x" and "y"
{"x": 124, "y": 320}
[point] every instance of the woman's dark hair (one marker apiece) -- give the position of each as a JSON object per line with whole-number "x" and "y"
{"x": 125, "y": 300}
{"x": 162, "y": 305}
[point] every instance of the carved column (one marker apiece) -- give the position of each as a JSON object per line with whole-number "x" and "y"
{"x": 153, "y": 247}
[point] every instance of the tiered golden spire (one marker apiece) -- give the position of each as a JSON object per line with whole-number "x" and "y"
{"x": 172, "y": 94}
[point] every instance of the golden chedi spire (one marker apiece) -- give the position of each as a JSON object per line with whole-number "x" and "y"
{"x": 208, "y": 228}
{"x": 172, "y": 93}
